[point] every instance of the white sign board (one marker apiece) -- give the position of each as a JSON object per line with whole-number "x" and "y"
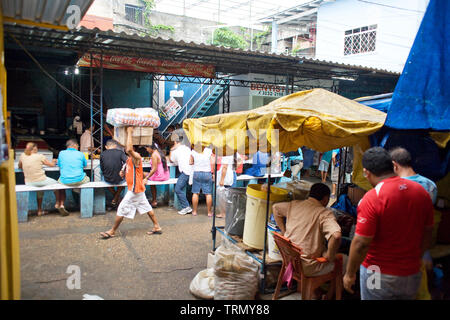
{"x": 170, "y": 108}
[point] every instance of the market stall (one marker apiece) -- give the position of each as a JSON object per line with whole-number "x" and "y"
{"x": 316, "y": 118}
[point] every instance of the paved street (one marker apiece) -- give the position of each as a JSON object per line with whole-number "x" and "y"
{"x": 133, "y": 265}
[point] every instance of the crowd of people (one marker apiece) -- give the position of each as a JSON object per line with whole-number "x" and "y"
{"x": 195, "y": 169}
{"x": 393, "y": 229}
{"x": 394, "y": 219}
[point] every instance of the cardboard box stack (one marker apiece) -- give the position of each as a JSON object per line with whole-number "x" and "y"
{"x": 141, "y": 135}
{"x": 142, "y": 119}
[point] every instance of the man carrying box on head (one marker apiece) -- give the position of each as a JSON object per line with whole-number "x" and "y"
{"x": 135, "y": 198}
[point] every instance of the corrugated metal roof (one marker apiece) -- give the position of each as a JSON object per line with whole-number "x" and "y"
{"x": 226, "y": 60}
{"x": 43, "y": 11}
{"x": 295, "y": 15}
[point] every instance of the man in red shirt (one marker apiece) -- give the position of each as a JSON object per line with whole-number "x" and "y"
{"x": 393, "y": 230}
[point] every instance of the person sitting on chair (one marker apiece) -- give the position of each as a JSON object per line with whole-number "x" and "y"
{"x": 111, "y": 162}
{"x": 31, "y": 162}
{"x": 308, "y": 225}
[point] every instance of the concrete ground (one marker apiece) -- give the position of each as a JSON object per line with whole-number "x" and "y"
{"x": 133, "y": 265}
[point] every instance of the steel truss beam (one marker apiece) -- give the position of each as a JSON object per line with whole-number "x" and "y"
{"x": 221, "y": 81}
{"x": 96, "y": 102}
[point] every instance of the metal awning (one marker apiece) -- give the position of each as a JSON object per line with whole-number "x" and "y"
{"x": 225, "y": 60}
{"x": 297, "y": 15}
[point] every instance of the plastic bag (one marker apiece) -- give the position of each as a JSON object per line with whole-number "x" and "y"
{"x": 221, "y": 200}
{"x": 139, "y": 117}
{"x": 235, "y": 274}
{"x": 235, "y": 201}
{"x": 202, "y": 286}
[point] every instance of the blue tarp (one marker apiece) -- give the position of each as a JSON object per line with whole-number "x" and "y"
{"x": 379, "y": 104}
{"x": 421, "y": 98}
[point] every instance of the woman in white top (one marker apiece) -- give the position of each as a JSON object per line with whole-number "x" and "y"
{"x": 202, "y": 180}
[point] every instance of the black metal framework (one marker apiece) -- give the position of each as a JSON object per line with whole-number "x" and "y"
{"x": 154, "y": 80}
{"x": 230, "y": 82}
{"x": 263, "y": 273}
{"x": 96, "y": 103}
{"x": 226, "y": 99}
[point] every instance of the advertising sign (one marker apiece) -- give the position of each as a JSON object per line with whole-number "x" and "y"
{"x": 267, "y": 90}
{"x": 149, "y": 65}
{"x": 170, "y": 108}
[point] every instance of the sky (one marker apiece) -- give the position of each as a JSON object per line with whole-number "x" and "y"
{"x": 231, "y": 12}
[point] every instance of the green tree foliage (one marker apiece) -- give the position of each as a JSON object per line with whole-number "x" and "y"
{"x": 152, "y": 30}
{"x": 227, "y": 38}
{"x": 260, "y": 37}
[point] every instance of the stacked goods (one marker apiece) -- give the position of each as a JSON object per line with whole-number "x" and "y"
{"x": 140, "y": 117}
{"x": 141, "y": 135}
{"x": 143, "y": 119}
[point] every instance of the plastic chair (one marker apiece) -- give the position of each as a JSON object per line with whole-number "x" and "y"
{"x": 291, "y": 253}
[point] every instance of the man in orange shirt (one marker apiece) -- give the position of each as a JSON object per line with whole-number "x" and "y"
{"x": 135, "y": 198}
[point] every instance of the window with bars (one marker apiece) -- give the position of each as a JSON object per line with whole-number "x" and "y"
{"x": 360, "y": 40}
{"x": 133, "y": 14}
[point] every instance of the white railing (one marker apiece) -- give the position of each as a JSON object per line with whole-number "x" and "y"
{"x": 193, "y": 103}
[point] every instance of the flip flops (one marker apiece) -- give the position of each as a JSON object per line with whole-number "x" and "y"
{"x": 63, "y": 211}
{"x": 106, "y": 235}
{"x": 154, "y": 232}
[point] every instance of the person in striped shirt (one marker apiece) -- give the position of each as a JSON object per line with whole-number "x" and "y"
{"x": 135, "y": 199}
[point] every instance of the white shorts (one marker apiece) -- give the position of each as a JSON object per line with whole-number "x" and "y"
{"x": 132, "y": 202}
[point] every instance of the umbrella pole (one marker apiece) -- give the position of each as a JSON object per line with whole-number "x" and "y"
{"x": 214, "y": 230}
{"x": 263, "y": 266}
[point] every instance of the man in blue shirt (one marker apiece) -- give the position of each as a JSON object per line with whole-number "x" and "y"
{"x": 324, "y": 165}
{"x": 71, "y": 164}
{"x": 403, "y": 168}
{"x": 401, "y": 158}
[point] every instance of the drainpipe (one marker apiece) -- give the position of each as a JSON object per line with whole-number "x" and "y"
{"x": 274, "y": 36}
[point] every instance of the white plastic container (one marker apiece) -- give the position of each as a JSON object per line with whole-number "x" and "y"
{"x": 273, "y": 251}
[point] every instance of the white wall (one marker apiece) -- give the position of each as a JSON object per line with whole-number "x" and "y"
{"x": 396, "y": 30}
{"x": 101, "y": 8}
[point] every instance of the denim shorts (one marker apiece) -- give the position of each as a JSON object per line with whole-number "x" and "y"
{"x": 390, "y": 287}
{"x": 323, "y": 166}
{"x": 202, "y": 181}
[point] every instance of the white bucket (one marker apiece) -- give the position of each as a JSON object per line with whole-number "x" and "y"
{"x": 273, "y": 251}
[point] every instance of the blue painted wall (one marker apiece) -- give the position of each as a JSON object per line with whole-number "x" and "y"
{"x": 188, "y": 88}
{"x": 120, "y": 90}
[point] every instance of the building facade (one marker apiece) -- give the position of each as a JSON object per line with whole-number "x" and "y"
{"x": 376, "y": 33}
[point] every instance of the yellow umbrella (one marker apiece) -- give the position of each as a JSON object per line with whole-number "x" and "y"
{"x": 318, "y": 119}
